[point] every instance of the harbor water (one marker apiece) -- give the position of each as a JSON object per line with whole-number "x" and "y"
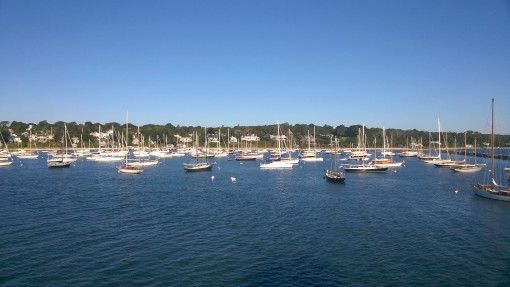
{"x": 87, "y": 225}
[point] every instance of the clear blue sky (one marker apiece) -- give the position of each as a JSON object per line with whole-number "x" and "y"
{"x": 388, "y": 63}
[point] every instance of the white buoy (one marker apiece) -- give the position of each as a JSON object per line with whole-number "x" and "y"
{"x": 395, "y": 171}
{"x": 456, "y": 191}
{"x": 212, "y": 177}
{"x": 233, "y": 179}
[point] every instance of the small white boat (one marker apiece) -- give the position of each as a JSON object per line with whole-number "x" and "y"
{"x": 433, "y": 160}
{"x": 311, "y": 159}
{"x": 276, "y": 165}
{"x": 27, "y": 156}
{"x": 408, "y": 153}
{"x": 5, "y": 163}
{"x": 140, "y": 153}
{"x": 449, "y": 163}
{"x": 467, "y": 168}
{"x": 143, "y": 163}
{"x": 178, "y": 154}
{"x": 102, "y": 158}
{"x": 290, "y": 160}
{"x": 161, "y": 153}
{"x": 129, "y": 169}
{"x": 390, "y": 164}
{"x": 58, "y": 162}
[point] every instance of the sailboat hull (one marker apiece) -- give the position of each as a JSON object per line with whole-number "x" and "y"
{"x": 312, "y": 159}
{"x": 58, "y": 164}
{"x": 467, "y": 169}
{"x": 35, "y": 156}
{"x": 365, "y": 169}
{"x": 491, "y": 195}
{"x": 5, "y": 163}
{"x": 276, "y": 165}
{"x": 128, "y": 170}
{"x": 334, "y": 176}
{"x": 197, "y": 167}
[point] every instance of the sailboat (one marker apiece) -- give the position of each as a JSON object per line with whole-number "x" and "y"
{"x": 408, "y": 152}
{"x": 102, "y": 156}
{"x": 143, "y": 160}
{"x": 429, "y": 156}
{"x": 247, "y": 154}
{"x": 361, "y": 150}
{"x": 435, "y": 159}
{"x": 492, "y": 189}
{"x": 58, "y": 162}
{"x": 277, "y": 164}
{"x": 287, "y": 156}
{"x": 362, "y": 155}
{"x": 128, "y": 167}
{"x": 5, "y": 161}
{"x": 466, "y": 167}
{"x": 333, "y": 174}
{"x": 197, "y": 165}
{"x": 448, "y": 162}
{"x": 219, "y": 151}
{"x": 385, "y": 161}
{"x": 309, "y": 154}
{"x": 23, "y": 154}
{"x": 5, "y": 156}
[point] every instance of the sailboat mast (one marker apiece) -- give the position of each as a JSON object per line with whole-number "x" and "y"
{"x": 126, "y": 130}
{"x": 314, "y": 143}
{"x": 475, "y": 150}
{"x": 99, "y": 139}
{"x": 206, "y": 144}
{"x": 439, "y": 137}
{"x": 465, "y": 147}
{"x": 309, "y": 140}
{"x": 492, "y": 141}
{"x": 65, "y": 139}
{"x": 279, "y": 147}
{"x": 384, "y": 141}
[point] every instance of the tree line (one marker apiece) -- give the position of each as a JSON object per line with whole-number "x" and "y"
{"x": 347, "y": 136}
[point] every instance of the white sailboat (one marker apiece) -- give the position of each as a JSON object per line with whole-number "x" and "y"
{"x": 56, "y": 161}
{"x": 287, "y": 156}
{"x": 198, "y": 165}
{"x": 364, "y": 166}
{"x": 466, "y": 167}
{"x": 219, "y": 152}
{"x": 31, "y": 154}
{"x": 5, "y": 155}
{"x": 448, "y": 162}
{"x": 361, "y": 150}
{"x": 105, "y": 156}
{"x": 128, "y": 167}
{"x": 438, "y": 158}
{"x": 310, "y": 155}
{"x": 492, "y": 189}
{"x": 386, "y": 161}
{"x": 333, "y": 174}
{"x": 277, "y": 164}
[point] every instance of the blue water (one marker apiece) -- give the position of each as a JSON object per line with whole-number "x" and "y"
{"x": 89, "y": 226}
